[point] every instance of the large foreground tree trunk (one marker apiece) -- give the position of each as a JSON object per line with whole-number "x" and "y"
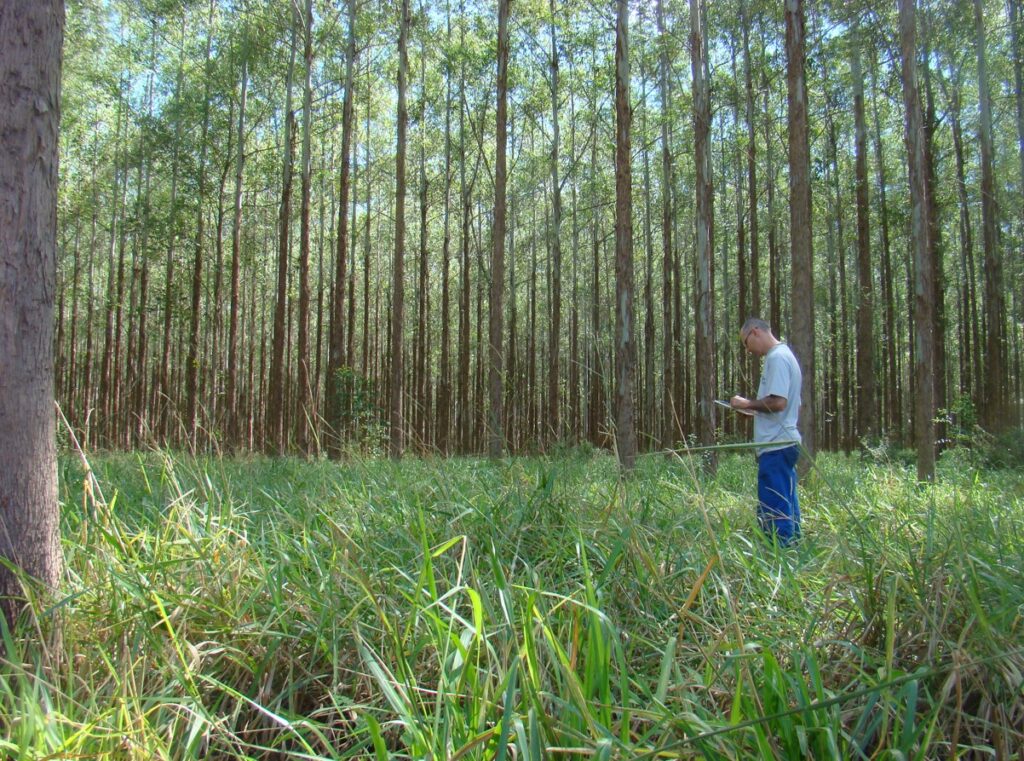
{"x": 30, "y": 38}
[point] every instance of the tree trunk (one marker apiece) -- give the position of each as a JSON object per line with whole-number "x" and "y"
{"x": 924, "y": 426}
{"x": 893, "y": 416}
{"x": 553, "y": 427}
{"x": 935, "y": 247}
{"x": 704, "y": 296}
{"x": 421, "y": 399}
{"x": 107, "y": 383}
{"x": 31, "y": 35}
{"x": 161, "y": 383}
{"x": 192, "y": 365}
{"x": 336, "y": 347}
{"x": 993, "y": 411}
{"x": 444, "y": 386}
{"x": 464, "y": 415}
{"x": 867, "y": 404}
{"x": 396, "y": 443}
{"x": 336, "y": 343}
{"x": 774, "y": 255}
{"x": 755, "y": 256}
{"x": 496, "y": 374}
{"x": 574, "y": 329}
{"x": 625, "y": 339}
{"x": 671, "y": 415}
{"x": 231, "y": 388}
{"x": 649, "y": 430}
{"x": 366, "y": 366}
{"x": 801, "y": 233}
{"x": 275, "y": 433}
{"x": 304, "y": 412}
{"x": 595, "y": 411}
{"x": 970, "y": 348}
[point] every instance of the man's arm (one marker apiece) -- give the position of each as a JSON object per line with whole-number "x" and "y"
{"x": 770, "y": 403}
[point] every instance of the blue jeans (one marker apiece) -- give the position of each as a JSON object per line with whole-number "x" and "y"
{"x": 778, "y": 509}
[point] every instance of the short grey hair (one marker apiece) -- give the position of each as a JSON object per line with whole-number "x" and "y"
{"x": 755, "y": 322}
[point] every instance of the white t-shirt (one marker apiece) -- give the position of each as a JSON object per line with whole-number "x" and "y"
{"x": 781, "y": 376}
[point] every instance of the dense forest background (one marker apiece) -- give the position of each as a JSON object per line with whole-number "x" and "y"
{"x": 233, "y": 220}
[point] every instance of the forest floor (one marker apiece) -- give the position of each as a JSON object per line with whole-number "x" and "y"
{"x": 527, "y": 609}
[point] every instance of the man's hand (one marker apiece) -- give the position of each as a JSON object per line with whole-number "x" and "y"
{"x": 740, "y": 403}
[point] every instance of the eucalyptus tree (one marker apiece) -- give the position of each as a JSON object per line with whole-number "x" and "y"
{"x": 670, "y": 413}
{"x": 867, "y": 406}
{"x": 704, "y": 294}
{"x": 337, "y": 333}
{"x": 496, "y": 312}
{"x": 625, "y": 339}
{"x": 924, "y": 425}
{"x": 276, "y": 430}
{"x": 555, "y": 333}
{"x": 31, "y": 35}
{"x": 304, "y": 410}
{"x": 396, "y": 442}
{"x": 192, "y": 363}
{"x": 230, "y": 402}
{"x": 995, "y": 340}
{"x": 800, "y": 231}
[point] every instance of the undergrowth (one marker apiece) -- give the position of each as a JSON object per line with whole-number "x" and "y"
{"x": 543, "y": 608}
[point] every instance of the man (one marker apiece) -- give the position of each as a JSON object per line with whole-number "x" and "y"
{"x": 777, "y": 407}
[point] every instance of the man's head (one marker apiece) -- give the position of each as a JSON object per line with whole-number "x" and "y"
{"x": 756, "y": 336}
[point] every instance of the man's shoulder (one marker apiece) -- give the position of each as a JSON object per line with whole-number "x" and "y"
{"x": 782, "y": 353}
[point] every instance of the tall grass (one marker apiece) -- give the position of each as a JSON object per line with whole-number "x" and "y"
{"x": 462, "y": 609}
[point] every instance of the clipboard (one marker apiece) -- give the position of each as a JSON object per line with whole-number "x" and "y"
{"x": 748, "y": 413}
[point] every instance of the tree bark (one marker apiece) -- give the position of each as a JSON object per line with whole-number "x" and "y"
{"x": 893, "y": 416}
{"x": 420, "y": 381}
{"x": 924, "y": 426}
{"x": 304, "y": 412}
{"x": 801, "y": 234}
{"x": 31, "y": 35}
{"x": 192, "y": 365}
{"x": 993, "y": 413}
{"x": 396, "y": 443}
{"x": 275, "y": 433}
{"x": 553, "y": 427}
{"x": 867, "y": 405}
{"x": 230, "y": 405}
{"x": 704, "y": 296}
{"x": 161, "y": 401}
{"x": 625, "y": 339}
{"x": 970, "y": 348}
{"x": 496, "y": 376}
{"x": 935, "y": 247}
{"x": 671, "y": 415}
{"x": 336, "y": 343}
{"x": 444, "y": 386}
